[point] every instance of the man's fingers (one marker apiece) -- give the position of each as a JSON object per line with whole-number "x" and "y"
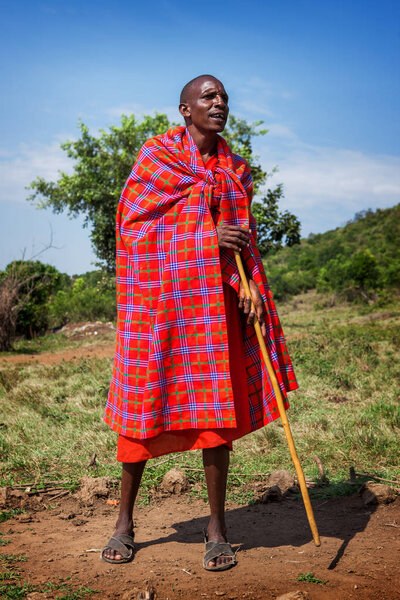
{"x": 230, "y": 246}
{"x": 247, "y": 306}
{"x": 234, "y": 239}
{"x": 251, "y": 318}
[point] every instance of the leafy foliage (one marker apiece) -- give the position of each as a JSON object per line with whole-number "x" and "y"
{"x": 37, "y": 282}
{"x": 274, "y": 227}
{"x": 101, "y": 164}
{"x": 87, "y": 298}
{"x": 310, "y": 578}
{"x": 25, "y": 288}
{"x": 356, "y": 261}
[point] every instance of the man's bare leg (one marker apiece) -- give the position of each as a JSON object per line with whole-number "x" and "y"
{"x": 216, "y": 464}
{"x": 131, "y": 478}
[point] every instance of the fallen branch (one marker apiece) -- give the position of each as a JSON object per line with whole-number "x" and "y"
{"x": 230, "y": 473}
{"x": 160, "y": 463}
{"x": 353, "y": 475}
{"x": 23, "y": 486}
{"x": 63, "y": 493}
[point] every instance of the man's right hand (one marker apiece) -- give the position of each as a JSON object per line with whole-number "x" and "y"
{"x": 233, "y": 237}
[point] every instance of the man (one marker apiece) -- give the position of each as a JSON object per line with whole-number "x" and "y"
{"x": 188, "y": 371}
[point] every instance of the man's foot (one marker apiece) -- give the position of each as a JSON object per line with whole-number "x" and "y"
{"x": 216, "y": 534}
{"x": 118, "y": 554}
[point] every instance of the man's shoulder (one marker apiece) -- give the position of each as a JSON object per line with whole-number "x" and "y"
{"x": 169, "y": 138}
{"x": 237, "y": 159}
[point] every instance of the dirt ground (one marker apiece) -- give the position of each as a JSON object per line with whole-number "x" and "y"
{"x": 53, "y": 358}
{"x": 359, "y": 556}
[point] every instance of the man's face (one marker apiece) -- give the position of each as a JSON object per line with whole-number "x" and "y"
{"x": 206, "y": 105}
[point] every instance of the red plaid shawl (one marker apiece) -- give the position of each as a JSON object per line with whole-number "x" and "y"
{"x": 171, "y": 366}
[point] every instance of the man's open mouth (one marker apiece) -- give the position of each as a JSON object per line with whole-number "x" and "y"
{"x": 218, "y": 116}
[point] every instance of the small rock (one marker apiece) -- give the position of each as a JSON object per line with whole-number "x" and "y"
{"x": 297, "y": 595}
{"x": 35, "y": 596}
{"x": 283, "y": 479}
{"x": 273, "y": 494}
{"x": 92, "y": 488}
{"x": 377, "y": 493}
{"x": 174, "y": 482}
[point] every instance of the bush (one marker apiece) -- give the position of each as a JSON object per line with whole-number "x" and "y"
{"x": 25, "y": 288}
{"x": 90, "y": 297}
{"x": 355, "y": 276}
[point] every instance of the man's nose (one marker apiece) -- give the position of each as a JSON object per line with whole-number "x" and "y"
{"x": 219, "y": 100}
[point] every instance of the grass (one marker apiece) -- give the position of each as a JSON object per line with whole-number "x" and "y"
{"x": 3, "y": 542}
{"x": 9, "y": 564}
{"x": 310, "y": 578}
{"x": 54, "y": 342}
{"x": 19, "y": 591}
{"x": 5, "y": 515}
{"x": 14, "y": 589}
{"x": 346, "y": 411}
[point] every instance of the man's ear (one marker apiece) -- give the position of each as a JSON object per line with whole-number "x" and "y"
{"x": 184, "y": 110}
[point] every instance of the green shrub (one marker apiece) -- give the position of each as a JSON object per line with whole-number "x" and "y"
{"x": 90, "y": 297}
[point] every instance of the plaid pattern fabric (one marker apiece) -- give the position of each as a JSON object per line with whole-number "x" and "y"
{"x": 171, "y": 365}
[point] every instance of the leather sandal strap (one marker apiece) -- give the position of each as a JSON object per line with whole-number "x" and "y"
{"x": 216, "y": 549}
{"x": 123, "y": 544}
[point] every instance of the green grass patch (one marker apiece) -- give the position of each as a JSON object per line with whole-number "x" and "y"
{"x": 15, "y": 591}
{"x": 11, "y": 559}
{"x": 3, "y": 542}
{"x": 19, "y": 591}
{"x": 9, "y": 564}
{"x": 310, "y": 578}
{"x": 10, "y": 513}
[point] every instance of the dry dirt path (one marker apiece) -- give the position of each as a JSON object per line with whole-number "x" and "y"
{"x": 359, "y": 556}
{"x": 52, "y": 358}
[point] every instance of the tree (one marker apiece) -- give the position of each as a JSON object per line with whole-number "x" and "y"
{"x": 103, "y": 163}
{"x": 354, "y": 276}
{"x": 25, "y": 289}
{"x": 274, "y": 228}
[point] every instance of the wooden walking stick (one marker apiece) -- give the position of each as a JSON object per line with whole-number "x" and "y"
{"x": 281, "y": 407}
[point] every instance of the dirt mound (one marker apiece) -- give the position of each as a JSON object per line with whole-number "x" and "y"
{"x": 174, "y": 481}
{"x": 93, "y": 488}
{"x": 82, "y": 330}
{"x": 377, "y": 493}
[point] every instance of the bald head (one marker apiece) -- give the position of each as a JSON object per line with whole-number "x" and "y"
{"x": 193, "y": 85}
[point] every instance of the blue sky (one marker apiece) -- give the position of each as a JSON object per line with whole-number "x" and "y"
{"x": 324, "y": 77}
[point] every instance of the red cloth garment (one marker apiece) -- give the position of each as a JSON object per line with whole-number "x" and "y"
{"x": 171, "y": 367}
{"x": 134, "y": 450}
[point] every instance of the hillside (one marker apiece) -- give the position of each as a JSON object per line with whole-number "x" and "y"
{"x": 365, "y": 253}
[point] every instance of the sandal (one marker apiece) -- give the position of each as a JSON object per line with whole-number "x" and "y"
{"x": 216, "y": 549}
{"x": 123, "y": 544}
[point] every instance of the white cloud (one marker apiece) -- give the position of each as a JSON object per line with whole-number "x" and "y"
{"x": 18, "y": 169}
{"x": 326, "y": 186}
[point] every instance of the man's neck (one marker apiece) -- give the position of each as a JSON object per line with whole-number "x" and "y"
{"x": 206, "y": 141}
